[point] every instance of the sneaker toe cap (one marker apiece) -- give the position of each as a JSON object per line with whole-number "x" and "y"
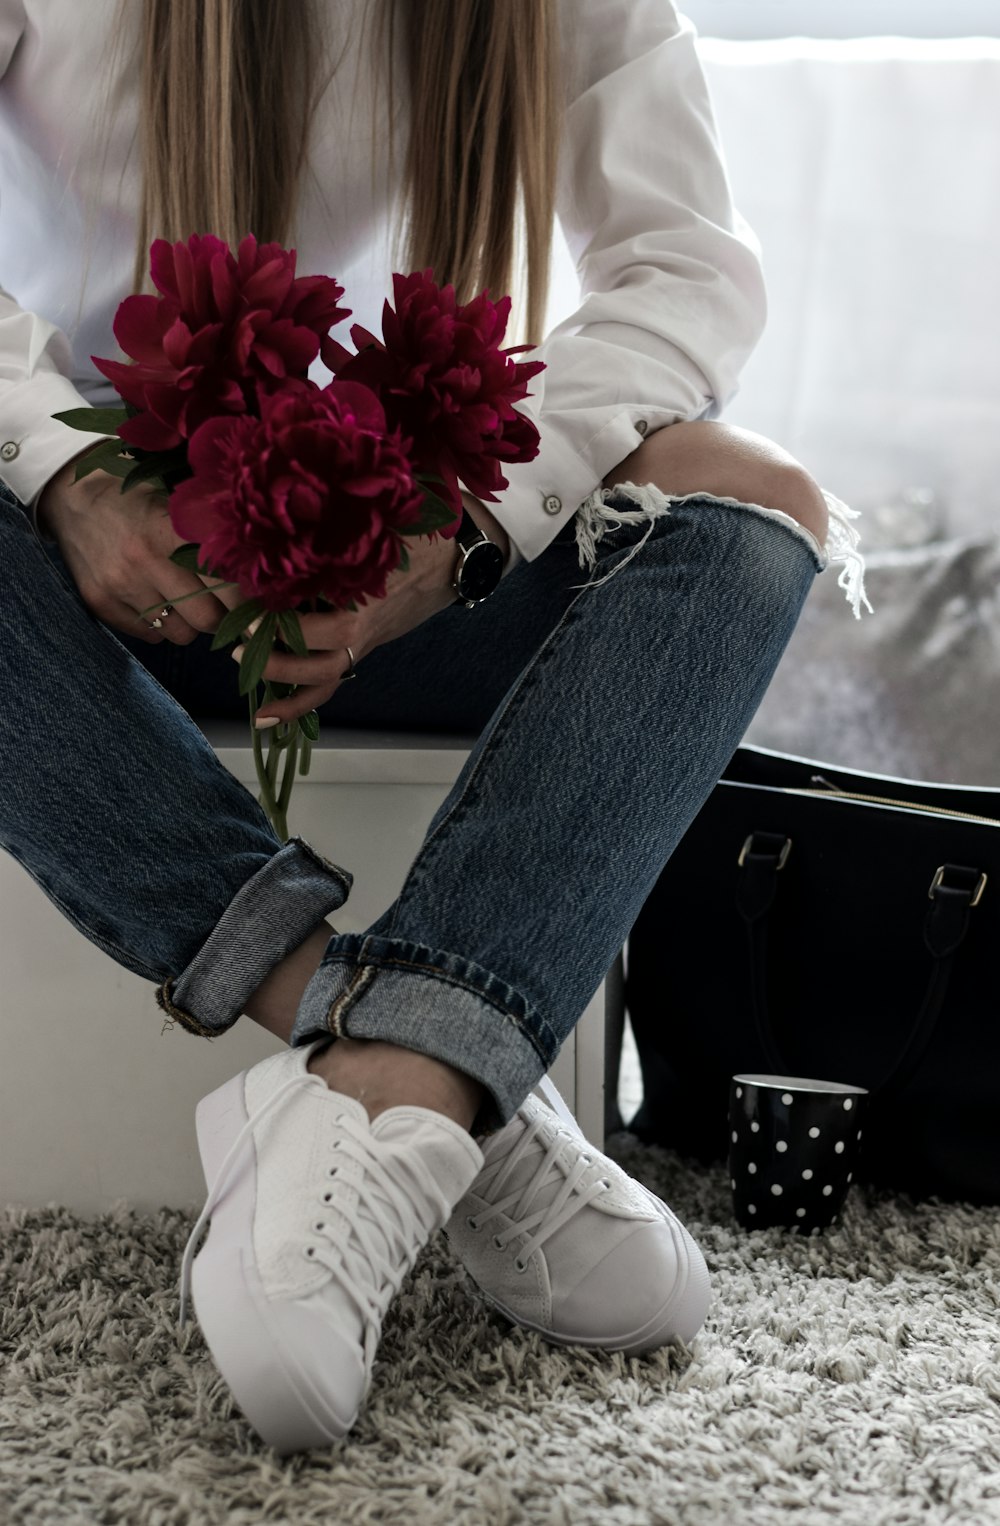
{"x": 651, "y": 1289}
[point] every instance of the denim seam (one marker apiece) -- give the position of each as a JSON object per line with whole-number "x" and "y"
{"x": 177, "y": 1014}
{"x": 366, "y": 974}
{"x": 363, "y": 977}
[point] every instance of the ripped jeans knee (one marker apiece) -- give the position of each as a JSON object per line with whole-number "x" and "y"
{"x": 598, "y": 515}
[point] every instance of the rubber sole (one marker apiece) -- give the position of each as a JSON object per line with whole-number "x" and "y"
{"x": 241, "y": 1326}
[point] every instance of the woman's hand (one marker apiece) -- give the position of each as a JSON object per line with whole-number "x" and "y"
{"x": 411, "y": 597}
{"x": 117, "y": 547}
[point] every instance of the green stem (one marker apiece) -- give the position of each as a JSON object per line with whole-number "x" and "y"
{"x": 288, "y": 778}
{"x": 266, "y": 772}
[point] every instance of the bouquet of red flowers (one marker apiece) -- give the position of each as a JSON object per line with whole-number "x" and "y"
{"x": 302, "y": 496}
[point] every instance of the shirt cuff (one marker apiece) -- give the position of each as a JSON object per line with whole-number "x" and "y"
{"x": 34, "y": 446}
{"x": 545, "y": 493}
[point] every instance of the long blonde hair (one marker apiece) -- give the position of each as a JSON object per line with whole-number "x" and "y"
{"x": 228, "y": 89}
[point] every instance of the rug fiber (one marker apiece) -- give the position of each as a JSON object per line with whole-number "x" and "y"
{"x": 852, "y": 1377}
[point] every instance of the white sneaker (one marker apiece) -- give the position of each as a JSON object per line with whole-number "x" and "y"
{"x": 317, "y": 1215}
{"x": 560, "y": 1239}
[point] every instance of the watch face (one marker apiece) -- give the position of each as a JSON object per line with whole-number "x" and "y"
{"x": 481, "y": 571}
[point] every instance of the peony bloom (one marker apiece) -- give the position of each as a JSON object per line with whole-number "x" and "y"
{"x": 309, "y": 501}
{"x": 444, "y": 383}
{"x": 226, "y": 331}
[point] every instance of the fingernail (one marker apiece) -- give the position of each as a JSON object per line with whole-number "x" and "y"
{"x": 263, "y": 721}
{"x": 237, "y": 653}
{"x": 252, "y": 627}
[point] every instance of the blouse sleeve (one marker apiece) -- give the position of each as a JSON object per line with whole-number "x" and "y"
{"x": 35, "y": 364}
{"x": 672, "y": 294}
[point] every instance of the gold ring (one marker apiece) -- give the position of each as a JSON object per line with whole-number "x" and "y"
{"x": 352, "y": 671}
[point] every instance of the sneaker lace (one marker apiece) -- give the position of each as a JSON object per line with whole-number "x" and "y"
{"x": 579, "y": 1183}
{"x": 384, "y": 1230}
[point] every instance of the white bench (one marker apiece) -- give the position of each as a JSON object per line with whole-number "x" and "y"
{"x": 97, "y": 1101}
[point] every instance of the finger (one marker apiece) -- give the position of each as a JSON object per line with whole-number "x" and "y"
{"x": 148, "y": 607}
{"x": 122, "y": 617}
{"x": 202, "y": 609}
{"x": 317, "y": 668}
{"x": 309, "y": 697}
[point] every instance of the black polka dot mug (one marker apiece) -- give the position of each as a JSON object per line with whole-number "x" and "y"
{"x": 794, "y": 1146}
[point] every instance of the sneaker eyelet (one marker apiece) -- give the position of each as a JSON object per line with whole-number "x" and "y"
{"x": 473, "y": 1223}
{"x": 498, "y": 1242}
{"x": 319, "y": 1225}
{"x": 327, "y": 1196}
{"x": 310, "y": 1250}
{"x": 519, "y": 1265}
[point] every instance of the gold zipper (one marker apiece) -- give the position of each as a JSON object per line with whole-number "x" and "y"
{"x": 913, "y": 805}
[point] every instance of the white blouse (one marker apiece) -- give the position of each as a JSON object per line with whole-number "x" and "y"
{"x": 671, "y": 292}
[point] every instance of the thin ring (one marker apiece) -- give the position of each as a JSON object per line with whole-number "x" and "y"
{"x": 352, "y": 671}
{"x": 155, "y": 625}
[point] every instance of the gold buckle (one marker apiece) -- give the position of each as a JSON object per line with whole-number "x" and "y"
{"x": 782, "y": 860}
{"x": 939, "y": 879}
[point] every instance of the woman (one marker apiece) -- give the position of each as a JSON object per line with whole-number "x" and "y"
{"x": 654, "y": 563}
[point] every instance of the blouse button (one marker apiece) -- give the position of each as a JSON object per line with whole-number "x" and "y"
{"x": 552, "y": 504}
{"x": 641, "y": 425}
{"x": 9, "y": 450}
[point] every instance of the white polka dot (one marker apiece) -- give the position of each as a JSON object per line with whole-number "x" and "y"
{"x": 850, "y": 1176}
{"x": 735, "y": 1136}
{"x": 859, "y": 1133}
{"x": 776, "y": 1190}
{"x": 786, "y": 1098}
{"x": 751, "y": 1208}
{"x": 827, "y": 1191}
{"x": 839, "y": 1147}
{"x": 800, "y": 1213}
{"x": 734, "y": 1184}
{"x": 752, "y": 1169}
{"x": 814, "y": 1133}
{"x": 781, "y": 1146}
{"x": 739, "y": 1091}
{"x": 807, "y": 1176}
{"x": 848, "y": 1104}
{"x": 755, "y": 1128}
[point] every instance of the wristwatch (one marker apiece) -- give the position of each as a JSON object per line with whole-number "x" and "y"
{"x": 480, "y": 563}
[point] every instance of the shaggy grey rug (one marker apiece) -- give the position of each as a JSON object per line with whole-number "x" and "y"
{"x": 852, "y": 1377}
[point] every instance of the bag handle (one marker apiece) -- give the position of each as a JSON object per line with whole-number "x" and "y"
{"x": 764, "y": 854}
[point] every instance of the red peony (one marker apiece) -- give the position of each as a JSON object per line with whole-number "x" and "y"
{"x": 226, "y": 332}
{"x": 308, "y": 501}
{"x": 443, "y": 382}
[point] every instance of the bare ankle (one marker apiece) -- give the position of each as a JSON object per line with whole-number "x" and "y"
{"x": 382, "y": 1075}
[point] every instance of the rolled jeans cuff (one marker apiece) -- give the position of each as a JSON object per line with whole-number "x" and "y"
{"x": 386, "y": 988}
{"x": 270, "y": 915}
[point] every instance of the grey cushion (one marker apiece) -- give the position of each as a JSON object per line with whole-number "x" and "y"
{"x": 912, "y": 690}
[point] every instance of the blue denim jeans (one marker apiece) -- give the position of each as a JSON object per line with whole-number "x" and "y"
{"x": 605, "y": 707}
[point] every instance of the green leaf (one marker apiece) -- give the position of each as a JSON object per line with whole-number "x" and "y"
{"x": 187, "y": 557}
{"x": 434, "y": 516}
{"x": 235, "y": 623}
{"x": 145, "y": 471}
{"x": 258, "y": 650}
{"x": 93, "y": 420}
{"x": 106, "y": 457}
{"x": 309, "y": 725}
{"x": 291, "y": 632}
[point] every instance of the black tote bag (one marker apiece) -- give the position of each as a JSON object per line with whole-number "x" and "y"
{"x": 822, "y": 922}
